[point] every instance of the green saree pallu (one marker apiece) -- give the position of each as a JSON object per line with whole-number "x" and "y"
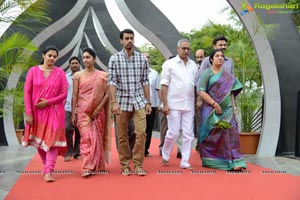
{"x": 219, "y": 140}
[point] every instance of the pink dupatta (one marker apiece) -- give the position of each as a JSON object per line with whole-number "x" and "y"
{"x": 48, "y": 129}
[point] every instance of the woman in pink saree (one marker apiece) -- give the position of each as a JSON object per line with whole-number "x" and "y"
{"x": 45, "y": 93}
{"x": 91, "y": 114}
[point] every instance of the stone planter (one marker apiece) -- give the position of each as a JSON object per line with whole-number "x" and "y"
{"x": 249, "y": 142}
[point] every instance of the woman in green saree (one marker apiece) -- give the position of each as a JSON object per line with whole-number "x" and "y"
{"x": 219, "y": 140}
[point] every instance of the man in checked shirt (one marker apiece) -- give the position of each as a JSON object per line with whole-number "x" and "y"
{"x": 130, "y": 98}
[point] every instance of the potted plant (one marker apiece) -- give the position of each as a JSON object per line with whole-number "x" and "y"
{"x": 18, "y": 111}
{"x": 249, "y": 101}
{"x": 250, "y": 114}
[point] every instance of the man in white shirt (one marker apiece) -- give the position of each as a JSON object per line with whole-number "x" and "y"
{"x": 73, "y": 149}
{"x": 154, "y": 100}
{"x": 178, "y": 96}
{"x": 164, "y": 122}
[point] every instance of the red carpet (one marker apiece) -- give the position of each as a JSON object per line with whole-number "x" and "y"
{"x": 169, "y": 182}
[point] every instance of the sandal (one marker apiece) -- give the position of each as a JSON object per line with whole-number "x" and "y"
{"x": 237, "y": 168}
{"x": 48, "y": 178}
{"x": 86, "y": 173}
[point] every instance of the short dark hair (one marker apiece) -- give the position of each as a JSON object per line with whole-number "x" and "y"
{"x": 216, "y": 39}
{"x": 74, "y": 58}
{"x": 126, "y": 31}
{"x": 213, "y": 52}
{"x": 92, "y": 52}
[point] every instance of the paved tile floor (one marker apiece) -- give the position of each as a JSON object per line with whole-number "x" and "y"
{"x": 15, "y": 158}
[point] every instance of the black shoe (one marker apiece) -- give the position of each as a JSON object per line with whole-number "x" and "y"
{"x": 78, "y": 157}
{"x": 178, "y": 155}
{"x": 160, "y": 153}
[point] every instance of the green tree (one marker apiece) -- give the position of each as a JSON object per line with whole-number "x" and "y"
{"x": 14, "y": 59}
{"x": 295, "y": 13}
{"x": 203, "y": 38}
{"x": 157, "y": 58}
{"x": 241, "y": 50}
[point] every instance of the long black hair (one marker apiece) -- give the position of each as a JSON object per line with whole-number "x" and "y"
{"x": 48, "y": 48}
{"x": 92, "y": 52}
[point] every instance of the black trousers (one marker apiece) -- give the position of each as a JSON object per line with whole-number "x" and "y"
{"x": 150, "y": 123}
{"x": 73, "y": 148}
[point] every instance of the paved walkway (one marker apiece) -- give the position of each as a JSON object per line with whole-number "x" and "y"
{"x": 15, "y": 158}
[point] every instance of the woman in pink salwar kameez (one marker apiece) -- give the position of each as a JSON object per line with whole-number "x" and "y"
{"x": 91, "y": 114}
{"x": 45, "y": 93}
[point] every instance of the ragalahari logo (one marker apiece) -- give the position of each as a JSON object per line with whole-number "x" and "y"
{"x": 246, "y": 8}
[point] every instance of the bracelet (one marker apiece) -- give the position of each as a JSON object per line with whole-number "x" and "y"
{"x": 213, "y": 103}
{"x": 113, "y": 101}
{"x": 148, "y": 103}
{"x": 234, "y": 108}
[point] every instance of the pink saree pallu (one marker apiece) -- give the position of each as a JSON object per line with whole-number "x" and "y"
{"x": 95, "y": 133}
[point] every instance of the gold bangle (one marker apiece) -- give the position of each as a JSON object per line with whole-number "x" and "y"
{"x": 113, "y": 101}
{"x": 213, "y": 103}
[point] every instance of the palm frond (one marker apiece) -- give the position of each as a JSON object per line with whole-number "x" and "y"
{"x": 16, "y": 52}
{"x": 3, "y": 74}
{"x": 8, "y": 11}
{"x": 16, "y": 41}
{"x": 32, "y": 12}
{"x": 36, "y": 13}
{"x": 268, "y": 30}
